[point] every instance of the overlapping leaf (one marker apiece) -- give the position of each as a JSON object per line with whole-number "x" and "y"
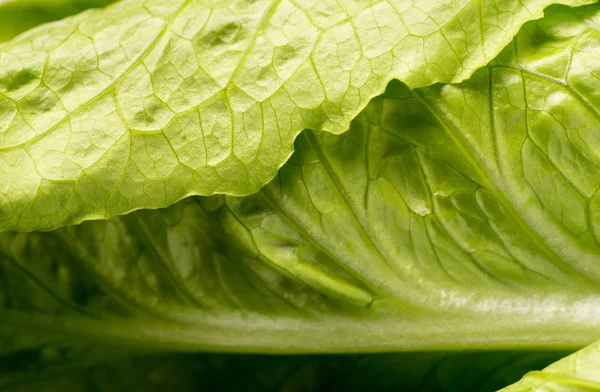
{"x": 579, "y": 372}
{"x": 17, "y": 16}
{"x": 448, "y": 217}
{"x": 148, "y": 101}
{"x": 452, "y": 216}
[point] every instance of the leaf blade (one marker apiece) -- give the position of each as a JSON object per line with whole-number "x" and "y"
{"x": 190, "y": 98}
{"x": 575, "y": 372}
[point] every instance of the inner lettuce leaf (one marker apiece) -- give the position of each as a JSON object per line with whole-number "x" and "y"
{"x": 578, "y": 372}
{"x": 17, "y": 16}
{"x": 450, "y": 217}
{"x": 148, "y": 101}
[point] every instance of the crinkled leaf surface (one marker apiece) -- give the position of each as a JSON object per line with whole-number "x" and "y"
{"x": 454, "y": 216}
{"x": 579, "y": 372}
{"x": 148, "y": 101}
{"x": 17, "y": 16}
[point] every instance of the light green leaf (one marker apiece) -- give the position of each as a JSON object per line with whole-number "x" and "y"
{"x": 17, "y": 16}
{"x": 450, "y": 217}
{"x": 146, "y": 102}
{"x": 579, "y": 372}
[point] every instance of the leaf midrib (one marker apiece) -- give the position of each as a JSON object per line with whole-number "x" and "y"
{"x": 330, "y": 333}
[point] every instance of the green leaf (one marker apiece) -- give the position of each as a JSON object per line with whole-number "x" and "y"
{"x": 579, "y": 372}
{"x": 17, "y": 16}
{"x": 146, "y": 102}
{"x": 451, "y": 217}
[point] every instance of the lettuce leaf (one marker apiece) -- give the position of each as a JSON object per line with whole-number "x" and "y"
{"x": 578, "y": 372}
{"x": 449, "y": 217}
{"x": 17, "y": 16}
{"x": 149, "y": 101}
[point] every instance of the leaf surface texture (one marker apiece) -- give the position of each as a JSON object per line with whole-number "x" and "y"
{"x": 452, "y": 210}
{"x": 146, "y": 102}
